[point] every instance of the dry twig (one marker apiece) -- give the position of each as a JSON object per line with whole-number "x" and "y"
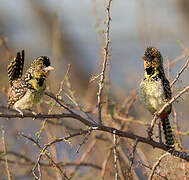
{"x": 132, "y": 156}
{"x": 106, "y": 57}
{"x": 156, "y": 165}
{"x": 179, "y": 73}
{"x": 5, "y": 152}
{"x": 115, "y": 155}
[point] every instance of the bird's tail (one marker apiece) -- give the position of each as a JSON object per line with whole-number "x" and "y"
{"x": 167, "y": 131}
{"x": 15, "y": 68}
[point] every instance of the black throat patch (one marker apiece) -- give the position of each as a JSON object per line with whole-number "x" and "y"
{"x": 40, "y": 81}
{"x": 150, "y": 70}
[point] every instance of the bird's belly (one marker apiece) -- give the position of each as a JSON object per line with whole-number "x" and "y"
{"x": 28, "y": 100}
{"x": 152, "y": 95}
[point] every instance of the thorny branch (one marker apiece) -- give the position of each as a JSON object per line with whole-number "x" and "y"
{"x": 106, "y": 57}
{"x": 179, "y": 73}
{"x": 115, "y": 156}
{"x": 47, "y": 155}
{"x": 156, "y": 165}
{"x": 43, "y": 150}
{"x": 132, "y": 155}
{"x": 26, "y": 161}
{"x": 5, "y": 152}
{"x": 93, "y": 126}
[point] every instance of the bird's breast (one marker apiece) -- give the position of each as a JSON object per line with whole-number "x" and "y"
{"x": 151, "y": 94}
{"x": 29, "y": 99}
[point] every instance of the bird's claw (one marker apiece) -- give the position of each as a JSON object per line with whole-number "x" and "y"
{"x": 34, "y": 114}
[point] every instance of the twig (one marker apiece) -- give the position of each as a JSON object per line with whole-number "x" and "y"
{"x": 115, "y": 155}
{"x": 149, "y": 167}
{"x": 5, "y": 152}
{"x": 83, "y": 157}
{"x": 57, "y": 100}
{"x": 62, "y": 82}
{"x": 179, "y": 73}
{"x": 106, "y": 57}
{"x": 43, "y": 150}
{"x": 156, "y": 165}
{"x": 104, "y": 164}
{"x": 171, "y": 63}
{"x": 47, "y": 155}
{"x": 29, "y": 162}
{"x": 129, "y": 135}
{"x": 168, "y": 67}
{"x": 132, "y": 156}
{"x": 83, "y": 141}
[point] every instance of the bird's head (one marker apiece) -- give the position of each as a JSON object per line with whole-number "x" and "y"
{"x": 153, "y": 60}
{"x": 41, "y": 67}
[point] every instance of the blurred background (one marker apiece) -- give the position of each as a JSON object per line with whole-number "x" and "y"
{"x": 71, "y": 32}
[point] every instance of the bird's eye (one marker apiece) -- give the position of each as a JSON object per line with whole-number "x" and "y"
{"x": 152, "y": 57}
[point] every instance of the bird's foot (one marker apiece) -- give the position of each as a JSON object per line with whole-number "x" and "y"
{"x": 150, "y": 133}
{"x": 35, "y": 114}
{"x": 20, "y": 112}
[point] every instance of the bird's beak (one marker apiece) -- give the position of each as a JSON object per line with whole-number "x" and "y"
{"x": 49, "y": 68}
{"x": 145, "y": 58}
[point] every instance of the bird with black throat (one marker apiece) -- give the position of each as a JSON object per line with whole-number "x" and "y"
{"x": 28, "y": 89}
{"x": 155, "y": 91}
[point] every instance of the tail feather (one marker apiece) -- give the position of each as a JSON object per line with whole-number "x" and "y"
{"x": 168, "y": 132}
{"x": 15, "y": 68}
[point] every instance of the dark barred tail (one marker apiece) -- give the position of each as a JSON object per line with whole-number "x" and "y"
{"x": 167, "y": 132}
{"x": 15, "y": 68}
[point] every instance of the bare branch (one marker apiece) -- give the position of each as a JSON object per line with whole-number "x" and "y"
{"x": 156, "y": 165}
{"x": 93, "y": 126}
{"x": 5, "y": 152}
{"x": 47, "y": 155}
{"x": 106, "y": 57}
{"x": 115, "y": 156}
{"x": 132, "y": 155}
{"x": 179, "y": 73}
{"x": 104, "y": 164}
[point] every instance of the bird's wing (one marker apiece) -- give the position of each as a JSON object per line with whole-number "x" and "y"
{"x": 15, "y": 68}
{"x": 19, "y": 89}
{"x": 167, "y": 89}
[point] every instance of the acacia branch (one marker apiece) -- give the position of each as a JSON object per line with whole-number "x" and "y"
{"x": 99, "y": 127}
{"x": 179, "y": 73}
{"x": 103, "y": 128}
{"x": 106, "y": 56}
{"x": 47, "y": 155}
{"x": 156, "y": 165}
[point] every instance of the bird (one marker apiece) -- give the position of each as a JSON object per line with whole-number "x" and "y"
{"x": 155, "y": 91}
{"x": 28, "y": 89}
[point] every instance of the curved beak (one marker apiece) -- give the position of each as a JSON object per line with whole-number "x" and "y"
{"x": 49, "y": 68}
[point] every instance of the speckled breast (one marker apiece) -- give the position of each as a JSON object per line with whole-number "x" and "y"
{"x": 151, "y": 94}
